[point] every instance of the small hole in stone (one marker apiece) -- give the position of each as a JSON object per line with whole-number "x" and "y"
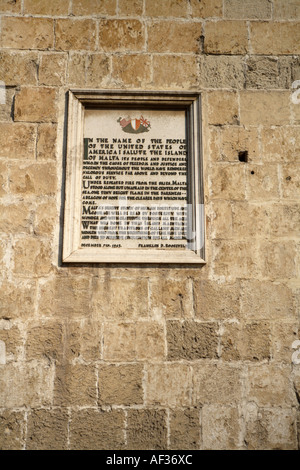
{"x": 252, "y": 172}
{"x": 288, "y": 178}
{"x": 243, "y": 156}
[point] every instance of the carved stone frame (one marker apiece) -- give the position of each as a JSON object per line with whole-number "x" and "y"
{"x": 78, "y": 100}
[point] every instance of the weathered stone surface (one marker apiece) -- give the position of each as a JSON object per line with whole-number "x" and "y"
{"x": 133, "y": 8}
{"x": 216, "y": 300}
{"x": 243, "y": 215}
{"x": 290, "y": 181}
{"x": 52, "y": 69}
{"x": 247, "y": 342}
{"x": 267, "y": 73}
{"x": 185, "y": 429}
{"x": 286, "y": 9}
{"x": 227, "y": 181}
{"x": 46, "y": 141}
{"x": 279, "y": 259}
{"x": 94, "y": 7}
{"x": 9, "y": 6}
{"x": 284, "y": 334}
{"x": 82, "y": 339}
{"x": 97, "y": 430}
{"x": 221, "y": 72}
{"x": 13, "y": 339}
{"x": 17, "y": 141}
{"x": 6, "y": 108}
{"x": 251, "y": 9}
{"x": 226, "y": 37}
{"x": 222, "y": 107}
{"x": 17, "y": 300}
{"x": 75, "y": 34}
{"x": 166, "y": 8}
{"x": 36, "y": 179}
{"x": 11, "y": 434}
{"x": 284, "y": 220}
{"x": 191, "y": 340}
{"x": 275, "y": 38}
{"x": 19, "y": 68}
{"x": 264, "y": 108}
{"x": 262, "y": 182}
{"x": 120, "y": 385}
{"x": 76, "y": 69}
{"x": 167, "y": 36}
{"x": 150, "y": 341}
{"x": 15, "y": 218}
{"x": 97, "y": 70}
{"x": 43, "y": 7}
{"x": 121, "y": 35}
{"x": 207, "y": 8}
{"x": 32, "y": 257}
{"x": 227, "y": 142}
{"x": 220, "y": 219}
{"x": 236, "y": 259}
{"x": 133, "y": 70}
{"x": 146, "y": 429}
{"x": 221, "y": 427}
{"x": 171, "y": 298}
{"x": 281, "y": 144}
{"x": 44, "y": 340}
{"x": 36, "y": 105}
{"x": 75, "y": 385}
{"x": 168, "y": 385}
{"x": 47, "y": 430}
{"x": 175, "y": 71}
{"x": 3, "y": 178}
{"x": 27, "y": 33}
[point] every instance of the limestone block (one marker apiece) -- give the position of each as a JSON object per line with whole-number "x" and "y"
{"x": 36, "y": 179}
{"x": 52, "y": 69}
{"x": 191, "y": 340}
{"x": 235, "y": 259}
{"x": 269, "y": 384}
{"x": 216, "y": 384}
{"x": 75, "y": 385}
{"x": 31, "y": 383}
{"x": 281, "y": 144}
{"x": 121, "y": 35}
{"x": 270, "y": 428}
{"x": 132, "y": 8}
{"x": 262, "y": 182}
{"x": 93, "y": 7}
{"x": 290, "y": 181}
{"x": 146, "y": 429}
{"x": 171, "y": 298}
{"x": 13, "y": 339}
{"x": 169, "y": 385}
{"x": 275, "y": 38}
{"x": 92, "y": 429}
{"x": 119, "y": 342}
{"x": 266, "y": 300}
{"x": 45, "y": 218}
{"x": 222, "y": 107}
{"x": 44, "y": 7}
{"x": 47, "y": 429}
{"x": 6, "y": 107}
{"x": 185, "y": 429}
{"x": 18, "y": 300}
{"x": 82, "y": 340}
{"x": 132, "y": 70}
{"x": 11, "y": 426}
{"x": 227, "y": 142}
{"x": 46, "y": 141}
{"x": 286, "y": 9}
{"x": 36, "y": 105}
{"x": 19, "y": 68}
{"x": 44, "y": 340}
{"x": 251, "y": 9}
{"x": 221, "y": 72}
{"x": 17, "y": 141}
{"x": 285, "y": 220}
{"x": 221, "y": 427}
{"x": 246, "y": 342}
{"x": 174, "y": 71}
{"x": 217, "y": 301}
{"x": 7, "y": 6}
{"x": 207, "y": 8}
{"x": 283, "y": 336}
{"x": 168, "y": 36}
{"x": 3, "y": 178}
{"x": 166, "y": 8}
{"x": 97, "y": 69}
{"x": 32, "y": 257}
{"x": 226, "y": 37}
{"x": 15, "y": 218}
{"x": 250, "y": 220}
{"x": 267, "y": 72}
{"x": 120, "y": 384}
{"x": 227, "y": 181}
{"x": 150, "y": 341}
{"x": 76, "y": 69}
{"x": 75, "y": 34}
{"x": 65, "y": 296}
{"x": 265, "y": 108}
{"x": 279, "y": 259}
{"x": 27, "y": 33}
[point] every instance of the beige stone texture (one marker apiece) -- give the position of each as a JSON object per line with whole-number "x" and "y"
{"x": 167, "y": 36}
{"x": 284, "y": 335}
{"x": 19, "y": 68}
{"x": 207, "y": 8}
{"x": 286, "y": 9}
{"x": 236, "y": 259}
{"x": 17, "y": 300}
{"x": 133, "y": 70}
{"x": 45, "y": 218}
{"x": 82, "y": 339}
{"x": 172, "y": 71}
{"x": 275, "y": 38}
{"x": 279, "y": 259}
{"x": 243, "y": 215}
{"x": 52, "y": 69}
{"x": 121, "y": 35}
{"x": 226, "y": 37}
{"x": 268, "y": 72}
{"x": 171, "y": 298}
{"x": 31, "y": 257}
{"x": 120, "y": 298}
{"x": 31, "y": 383}
{"x": 27, "y": 33}
{"x": 44, "y": 340}
{"x": 120, "y": 384}
{"x": 36, "y": 105}
{"x": 264, "y": 108}
{"x": 227, "y": 181}
{"x": 220, "y": 219}
{"x": 77, "y": 69}
{"x": 221, "y": 72}
{"x": 222, "y": 107}
{"x": 262, "y": 182}
{"x": 227, "y": 142}
{"x": 290, "y": 181}
{"x": 221, "y": 427}
{"x": 270, "y": 428}
{"x": 46, "y": 141}
{"x": 11, "y": 430}
{"x": 75, "y": 385}
{"x": 75, "y": 34}
{"x": 15, "y": 218}
{"x": 97, "y": 70}
{"x": 246, "y": 342}
{"x": 93, "y": 7}
{"x": 44, "y": 7}
{"x": 285, "y": 220}
{"x": 184, "y": 429}
{"x": 10, "y": 6}
{"x": 281, "y": 144}
{"x": 7, "y": 105}
{"x": 216, "y": 300}
{"x": 47, "y": 429}
{"x": 35, "y": 179}
{"x": 17, "y": 141}
{"x": 247, "y": 9}
{"x": 92, "y": 429}
{"x": 191, "y": 340}
{"x": 3, "y": 178}
{"x": 13, "y": 340}
{"x": 174, "y": 8}
{"x": 131, "y": 8}
{"x": 146, "y": 429}
{"x": 150, "y": 341}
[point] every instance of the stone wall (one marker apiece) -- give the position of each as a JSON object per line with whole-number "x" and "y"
{"x": 147, "y": 357}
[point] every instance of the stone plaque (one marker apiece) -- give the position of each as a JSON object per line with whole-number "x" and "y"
{"x": 134, "y": 190}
